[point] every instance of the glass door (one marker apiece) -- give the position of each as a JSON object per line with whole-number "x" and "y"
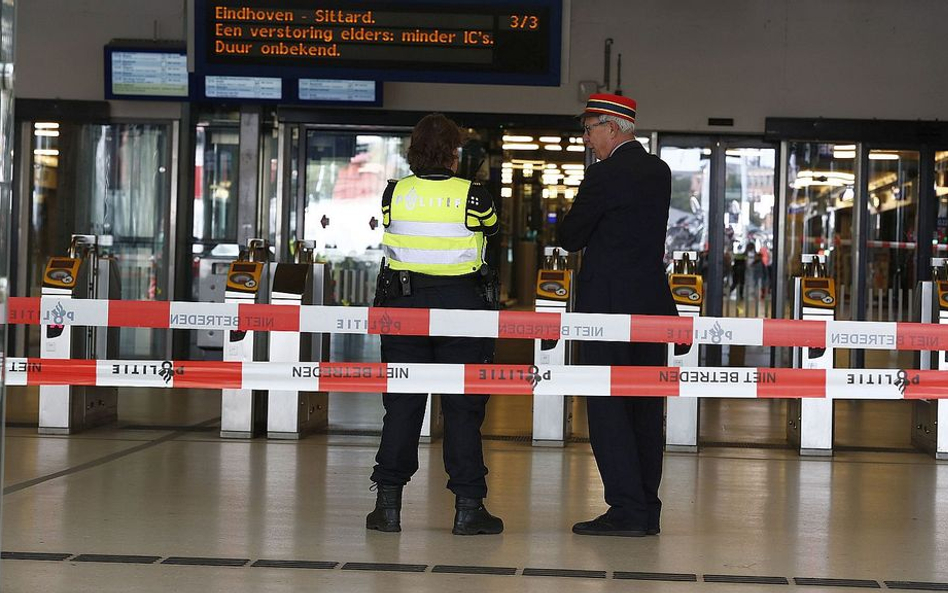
{"x": 819, "y": 219}
{"x": 830, "y": 196}
{"x": 113, "y": 181}
{"x": 6, "y": 196}
{"x": 722, "y": 206}
{"x": 690, "y": 200}
{"x": 343, "y": 178}
{"x": 749, "y": 235}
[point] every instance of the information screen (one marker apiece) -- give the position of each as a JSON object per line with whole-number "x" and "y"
{"x": 146, "y": 73}
{"x": 243, "y": 87}
{"x": 348, "y": 91}
{"x": 460, "y": 41}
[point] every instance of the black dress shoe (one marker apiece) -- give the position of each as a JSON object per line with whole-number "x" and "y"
{"x": 603, "y": 525}
{"x": 471, "y": 518}
{"x": 388, "y": 507}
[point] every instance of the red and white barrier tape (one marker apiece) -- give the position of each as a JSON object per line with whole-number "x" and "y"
{"x": 868, "y": 335}
{"x": 721, "y": 382}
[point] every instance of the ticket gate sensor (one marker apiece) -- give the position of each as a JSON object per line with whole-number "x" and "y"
{"x": 243, "y": 411}
{"x": 83, "y": 274}
{"x": 292, "y": 414}
{"x": 681, "y": 413}
{"x": 552, "y": 414}
{"x": 929, "y": 415}
{"x": 810, "y": 426}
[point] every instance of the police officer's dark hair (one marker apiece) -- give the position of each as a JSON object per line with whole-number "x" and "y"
{"x": 434, "y": 141}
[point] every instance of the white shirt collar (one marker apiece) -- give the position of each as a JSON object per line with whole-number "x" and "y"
{"x": 620, "y": 144}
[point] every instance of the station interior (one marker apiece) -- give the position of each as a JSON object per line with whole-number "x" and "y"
{"x": 157, "y": 493}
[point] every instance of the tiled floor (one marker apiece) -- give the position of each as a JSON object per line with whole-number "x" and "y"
{"x": 744, "y": 512}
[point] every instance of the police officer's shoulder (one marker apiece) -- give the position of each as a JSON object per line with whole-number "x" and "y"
{"x": 479, "y": 198}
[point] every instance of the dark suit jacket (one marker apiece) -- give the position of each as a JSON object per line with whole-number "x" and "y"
{"x": 620, "y": 217}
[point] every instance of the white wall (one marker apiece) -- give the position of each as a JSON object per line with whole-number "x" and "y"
{"x": 683, "y": 60}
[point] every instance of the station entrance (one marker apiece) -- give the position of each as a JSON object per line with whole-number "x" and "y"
{"x": 174, "y": 209}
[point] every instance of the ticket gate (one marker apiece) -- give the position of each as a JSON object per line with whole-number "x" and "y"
{"x": 681, "y": 413}
{"x": 292, "y": 414}
{"x": 552, "y": 414}
{"x": 83, "y": 274}
{"x": 927, "y": 414}
{"x": 810, "y": 425}
{"x": 243, "y": 411}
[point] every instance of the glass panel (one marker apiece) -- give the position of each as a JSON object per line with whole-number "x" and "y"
{"x": 6, "y": 194}
{"x": 819, "y": 217}
{"x": 893, "y": 199}
{"x": 269, "y": 172}
{"x": 748, "y": 231}
{"x": 540, "y": 173}
{"x": 346, "y": 175}
{"x": 216, "y": 162}
{"x": 891, "y": 274}
{"x": 940, "y": 239}
{"x": 112, "y": 181}
{"x": 129, "y": 206}
{"x": 690, "y": 198}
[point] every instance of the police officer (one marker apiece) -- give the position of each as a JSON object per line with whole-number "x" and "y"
{"x": 434, "y": 244}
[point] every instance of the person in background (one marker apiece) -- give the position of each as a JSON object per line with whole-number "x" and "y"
{"x": 434, "y": 243}
{"x": 618, "y": 220}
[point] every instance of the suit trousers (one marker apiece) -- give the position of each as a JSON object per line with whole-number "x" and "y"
{"x": 627, "y": 436}
{"x": 397, "y": 458}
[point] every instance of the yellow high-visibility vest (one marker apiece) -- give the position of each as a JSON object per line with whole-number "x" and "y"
{"x": 425, "y": 228}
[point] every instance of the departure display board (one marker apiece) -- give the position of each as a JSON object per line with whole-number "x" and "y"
{"x": 146, "y": 73}
{"x": 484, "y": 41}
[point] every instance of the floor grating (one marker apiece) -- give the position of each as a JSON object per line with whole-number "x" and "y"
{"x": 116, "y": 558}
{"x": 384, "y": 567}
{"x": 495, "y": 570}
{"x": 564, "y": 573}
{"x": 916, "y": 586}
{"x": 469, "y": 570}
{"x": 866, "y": 584}
{"x": 310, "y": 564}
{"x": 41, "y": 556}
{"x": 655, "y": 576}
{"x": 745, "y": 579}
{"x": 199, "y": 561}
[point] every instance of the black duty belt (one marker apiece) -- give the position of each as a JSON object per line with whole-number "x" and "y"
{"x": 428, "y": 281}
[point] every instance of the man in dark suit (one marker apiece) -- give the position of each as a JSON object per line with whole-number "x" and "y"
{"x": 619, "y": 219}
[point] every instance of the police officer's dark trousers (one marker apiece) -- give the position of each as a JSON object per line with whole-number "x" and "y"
{"x": 397, "y": 459}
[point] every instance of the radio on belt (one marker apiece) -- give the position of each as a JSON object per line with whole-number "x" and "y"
{"x": 930, "y": 417}
{"x": 291, "y": 414}
{"x": 243, "y": 412}
{"x": 810, "y": 426}
{"x": 86, "y": 273}
{"x": 552, "y": 414}
{"x": 687, "y": 288}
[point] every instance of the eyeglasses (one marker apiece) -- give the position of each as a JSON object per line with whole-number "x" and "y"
{"x": 588, "y": 127}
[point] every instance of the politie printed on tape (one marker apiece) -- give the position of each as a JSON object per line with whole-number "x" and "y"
{"x": 537, "y": 380}
{"x": 487, "y": 324}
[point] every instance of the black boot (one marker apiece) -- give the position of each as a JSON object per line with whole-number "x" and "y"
{"x": 388, "y": 509}
{"x": 471, "y": 518}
